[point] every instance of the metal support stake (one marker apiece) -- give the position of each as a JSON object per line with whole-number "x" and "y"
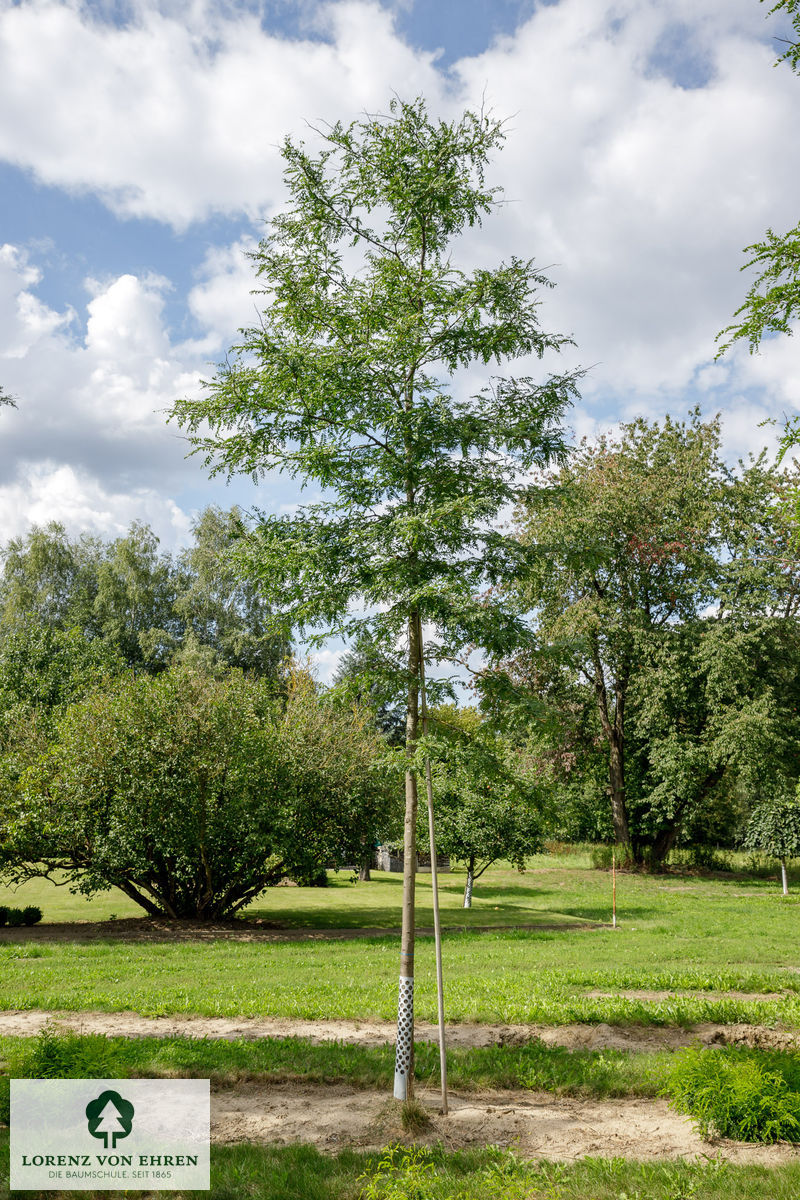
{"x": 434, "y": 881}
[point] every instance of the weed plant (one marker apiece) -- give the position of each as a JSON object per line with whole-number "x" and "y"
{"x": 747, "y": 1095}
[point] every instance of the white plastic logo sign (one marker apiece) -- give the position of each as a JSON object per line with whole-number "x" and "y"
{"x": 113, "y": 1134}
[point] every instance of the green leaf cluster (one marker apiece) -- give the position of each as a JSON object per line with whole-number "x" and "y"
{"x": 192, "y": 793}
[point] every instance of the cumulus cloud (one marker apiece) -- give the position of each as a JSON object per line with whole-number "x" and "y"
{"x": 178, "y": 116}
{"x": 89, "y": 436}
{"x": 49, "y": 491}
{"x": 646, "y": 145}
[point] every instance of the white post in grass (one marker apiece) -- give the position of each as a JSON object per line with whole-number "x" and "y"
{"x": 437, "y": 931}
{"x": 613, "y": 887}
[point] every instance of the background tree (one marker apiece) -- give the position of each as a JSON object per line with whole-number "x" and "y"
{"x": 145, "y": 606}
{"x": 344, "y": 382}
{"x": 6, "y": 399}
{"x": 488, "y": 807}
{"x": 774, "y": 828}
{"x": 192, "y": 794}
{"x": 220, "y": 607}
{"x": 665, "y": 615}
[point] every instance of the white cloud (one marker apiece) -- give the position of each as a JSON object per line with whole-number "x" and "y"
{"x": 88, "y": 443}
{"x": 639, "y": 190}
{"x": 179, "y": 116}
{"x": 49, "y": 491}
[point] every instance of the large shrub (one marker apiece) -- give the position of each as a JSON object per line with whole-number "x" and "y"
{"x": 191, "y": 793}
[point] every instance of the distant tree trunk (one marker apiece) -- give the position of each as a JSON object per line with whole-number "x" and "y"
{"x": 783, "y": 877}
{"x": 613, "y": 726}
{"x": 663, "y": 842}
{"x": 364, "y": 874}
{"x": 470, "y": 880}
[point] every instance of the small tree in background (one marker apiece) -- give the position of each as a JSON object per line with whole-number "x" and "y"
{"x": 487, "y": 807}
{"x": 774, "y": 828}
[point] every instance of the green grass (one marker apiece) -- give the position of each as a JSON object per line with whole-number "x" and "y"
{"x": 588, "y": 1073}
{"x": 301, "y": 1173}
{"x": 689, "y": 935}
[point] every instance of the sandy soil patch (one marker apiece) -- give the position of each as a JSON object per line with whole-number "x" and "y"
{"x": 635, "y": 1038}
{"x": 536, "y": 1125}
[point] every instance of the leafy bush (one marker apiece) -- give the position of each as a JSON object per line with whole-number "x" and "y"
{"x": 31, "y": 915}
{"x": 15, "y": 917}
{"x": 192, "y": 793}
{"x": 739, "y": 1093}
{"x": 3, "y": 914}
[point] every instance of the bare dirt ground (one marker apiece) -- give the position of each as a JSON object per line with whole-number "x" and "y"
{"x": 635, "y": 1038}
{"x": 332, "y": 1117}
{"x": 538, "y": 1126}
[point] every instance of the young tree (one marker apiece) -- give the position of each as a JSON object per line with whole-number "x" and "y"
{"x": 345, "y": 383}
{"x": 488, "y": 806}
{"x": 774, "y": 828}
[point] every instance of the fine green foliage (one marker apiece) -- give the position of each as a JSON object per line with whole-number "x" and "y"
{"x": 191, "y": 794}
{"x": 739, "y": 1094}
{"x": 343, "y": 381}
{"x": 773, "y": 300}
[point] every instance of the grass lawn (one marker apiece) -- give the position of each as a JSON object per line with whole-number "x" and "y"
{"x": 696, "y": 937}
{"x": 302, "y": 1173}
{"x": 688, "y": 934}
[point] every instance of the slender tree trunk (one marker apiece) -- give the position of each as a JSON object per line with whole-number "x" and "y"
{"x": 404, "y": 1056}
{"x": 783, "y": 877}
{"x": 470, "y": 881}
{"x": 365, "y": 875}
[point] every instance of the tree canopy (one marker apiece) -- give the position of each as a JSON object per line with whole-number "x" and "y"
{"x": 664, "y": 606}
{"x": 191, "y": 793}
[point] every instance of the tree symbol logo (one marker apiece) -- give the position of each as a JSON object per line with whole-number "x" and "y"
{"x": 109, "y": 1116}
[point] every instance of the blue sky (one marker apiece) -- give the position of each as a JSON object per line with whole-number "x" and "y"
{"x": 649, "y": 142}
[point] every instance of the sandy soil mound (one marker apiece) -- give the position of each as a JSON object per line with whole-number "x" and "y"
{"x": 635, "y": 1038}
{"x": 537, "y": 1126}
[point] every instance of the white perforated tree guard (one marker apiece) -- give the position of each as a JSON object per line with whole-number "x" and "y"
{"x": 405, "y": 1034}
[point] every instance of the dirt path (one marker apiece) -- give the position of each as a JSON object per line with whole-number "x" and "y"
{"x": 332, "y": 1117}
{"x": 538, "y": 1126}
{"x": 27, "y": 1023}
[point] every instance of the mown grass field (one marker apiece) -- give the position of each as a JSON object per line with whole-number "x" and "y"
{"x": 702, "y": 939}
